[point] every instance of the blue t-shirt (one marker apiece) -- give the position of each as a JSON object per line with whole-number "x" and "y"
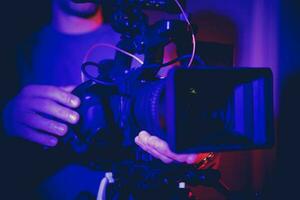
{"x": 53, "y": 58}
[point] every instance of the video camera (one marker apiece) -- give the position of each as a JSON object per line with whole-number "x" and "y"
{"x": 197, "y": 109}
{"x": 194, "y": 109}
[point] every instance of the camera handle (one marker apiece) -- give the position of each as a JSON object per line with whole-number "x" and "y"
{"x": 151, "y": 43}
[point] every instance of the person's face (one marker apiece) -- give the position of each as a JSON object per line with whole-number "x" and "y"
{"x": 77, "y": 9}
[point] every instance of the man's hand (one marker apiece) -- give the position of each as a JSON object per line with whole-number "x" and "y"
{"x": 160, "y": 149}
{"x": 41, "y": 113}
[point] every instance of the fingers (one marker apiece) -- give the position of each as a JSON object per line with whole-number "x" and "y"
{"x": 157, "y": 145}
{"x": 38, "y": 137}
{"x": 62, "y": 96}
{"x": 54, "y": 109}
{"x": 38, "y": 122}
{"x": 68, "y": 88}
{"x": 152, "y": 151}
{"x": 190, "y": 158}
{"x": 160, "y": 149}
{"x": 36, "y": 112}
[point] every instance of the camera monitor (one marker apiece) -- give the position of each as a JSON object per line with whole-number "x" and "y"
{"x": 219, "y": 109}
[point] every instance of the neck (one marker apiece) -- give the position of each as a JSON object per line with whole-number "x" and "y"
{"x": 70, "y": 24}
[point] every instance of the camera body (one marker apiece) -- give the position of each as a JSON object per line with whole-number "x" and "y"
{"x": 195, "y": 110}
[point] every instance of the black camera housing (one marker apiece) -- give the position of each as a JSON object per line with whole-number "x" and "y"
{"x": 202, "y": 109}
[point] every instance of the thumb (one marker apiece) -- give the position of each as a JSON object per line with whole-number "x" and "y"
{"x": 68, "y": 88}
